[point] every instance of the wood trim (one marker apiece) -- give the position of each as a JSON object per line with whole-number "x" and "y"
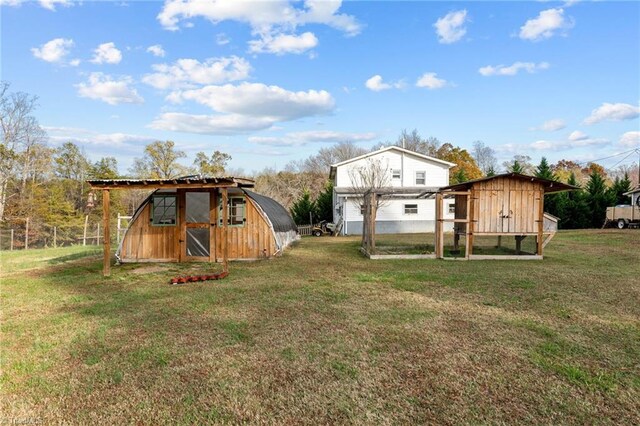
{"x": 225, "y": 230}
{"x": 505, "y": 257}
{"x": 540, "y": 223}
{"x": 213, "y": 217}
{"x": 153, "y": 186}
{"x": 182, "y": 225}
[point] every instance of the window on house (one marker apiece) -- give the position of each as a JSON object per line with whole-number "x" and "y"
{"x": 237, "y": 211}
{"x": 410, "y": 209}
{"x": 164, "y": 210}
{"x": 452, "y": 208}
{"x": 395, "y": 173}
{"x": 362, "y": 209}
{"x": 421, "y": 178}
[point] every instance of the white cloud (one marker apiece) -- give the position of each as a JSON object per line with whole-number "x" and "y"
{"x": 431, "y": 81}
{"x": 156, "y": 50}
{"x": 545, "y": 25}
{"x": 54, "y": 50}
{"x": 630, "y": 139}
{"x": 210, "y": 124}
{"x": 259, "y": 100}
{"x": 530, "y": 67}
{"x": 222, "y": 39}
{"x": 551, "y": 125}
{"x": 185, "y": 73}
{"x": 450, "y": 28}
{"x": 262, "y": 16}
{"x": 107, "y": 53}
{"x": 59, "y": 135}
{"x": 311, "y": 136}
{"x": 284, "y": 43}
{"x": 577, "y": 135}
{"x": 74, "y": 62}
{"x": 243, "y": 108}
{"x": 105, "y": 88}
{"x": 51, "y": 4}
{"x": 613, "y": 112}
{"x": 376, "y": 84}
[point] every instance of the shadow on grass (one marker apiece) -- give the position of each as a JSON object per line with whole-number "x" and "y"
{"x": 74, "y": 256}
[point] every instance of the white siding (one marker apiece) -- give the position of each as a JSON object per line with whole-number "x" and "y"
{"x": 436, "y": 174}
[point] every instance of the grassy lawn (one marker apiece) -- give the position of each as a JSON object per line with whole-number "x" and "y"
{"x": 323, "y": 335}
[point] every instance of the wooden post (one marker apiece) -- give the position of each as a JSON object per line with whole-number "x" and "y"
{"x": 225, "y": 227}
{"x": 98, "y": 234}
{"x": 541, "y": 222}
{"x": 106, "y": 262}
{"x": 372, "y": 224}
{"x": 499, "y": 241}
{"x": 439, "y": 243}
{"x": 11, "y": 246}
{"x": 84, "y": 233}
{"x": 26, "y": 234}
{"x": 469, "y": 231}
{"x": 118, "y": 230}
{"x": 55, "y": 237}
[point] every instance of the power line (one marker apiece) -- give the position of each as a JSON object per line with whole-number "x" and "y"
{"x": 631, "y": 151}
{"x": 628, "y": 155}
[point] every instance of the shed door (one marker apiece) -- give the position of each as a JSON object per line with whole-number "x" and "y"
{"x": 199, "y": 220}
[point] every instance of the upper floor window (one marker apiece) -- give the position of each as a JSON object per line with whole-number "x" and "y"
{"x": 395, "y": 173}
{"x": 421, "y": 178}
{"x": 164, "y": 210}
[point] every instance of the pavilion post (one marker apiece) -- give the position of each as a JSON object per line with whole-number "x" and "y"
{"x": 225, "y": 228}
{"x": 106, "y": 262}
{"x": 439, "y": 228}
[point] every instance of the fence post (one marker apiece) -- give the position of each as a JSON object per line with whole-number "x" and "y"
{"x": 118, "y": 230}
{"x": 55, "y": 237}
{"x": 11, "y": 246}
{"x": 98, "y": 235}
{"x": 26, "y": 235}
{"x": 84, "y": 234}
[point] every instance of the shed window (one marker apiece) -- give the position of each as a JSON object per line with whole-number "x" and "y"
{"x": 237, "y": 211}
{"x": 395, "y": 173}
{"x": 452, "y": 208}
{"x": 410, "y": 209}
{"x": 164, "y": 210}
{"x": 421, "y": 178}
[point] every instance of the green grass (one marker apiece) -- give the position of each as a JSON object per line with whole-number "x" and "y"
{"x": 323, "y": 335}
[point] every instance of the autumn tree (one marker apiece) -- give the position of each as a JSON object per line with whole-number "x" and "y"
{"x": 213, "y": 165}
{"x": 160, "y": 161}
{"x": 465, "y": 167}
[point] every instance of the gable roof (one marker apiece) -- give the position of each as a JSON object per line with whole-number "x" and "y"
{"x": 390, "y": 148}
{"x": 549, "y": 185}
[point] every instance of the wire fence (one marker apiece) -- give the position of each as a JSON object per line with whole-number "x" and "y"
{"x": 23, "y": 235}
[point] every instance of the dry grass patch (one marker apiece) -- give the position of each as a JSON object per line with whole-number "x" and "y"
{"x": 323, "y": 335}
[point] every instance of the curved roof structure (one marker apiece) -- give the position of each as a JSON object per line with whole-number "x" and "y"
{"x": 280, "y": 218}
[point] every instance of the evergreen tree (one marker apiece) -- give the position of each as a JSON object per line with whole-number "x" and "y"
{"x": 575, "y": 211}
{"x": 620, "y": 186}
{"x": 551, "y": 201}
{"x": 303, "y": 209}
{"x": 516, "y": 167}
{"x": 491, "y": 171}
{"x": 598, "y": 199}
{"x": 459, "y": 176}
{"x": 324, "y": 203}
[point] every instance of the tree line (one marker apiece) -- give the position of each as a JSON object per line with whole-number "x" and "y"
{"x": 48, "y": 184}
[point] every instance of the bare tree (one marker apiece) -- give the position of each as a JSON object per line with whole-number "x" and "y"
{"x": 485, "y": 157}
{"x": 368, "y": 178}
{"x": 20, "y": 132}
{"x": 322, "y": 161}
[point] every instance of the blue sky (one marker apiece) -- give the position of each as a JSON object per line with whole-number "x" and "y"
{"x": 274, "y": 81}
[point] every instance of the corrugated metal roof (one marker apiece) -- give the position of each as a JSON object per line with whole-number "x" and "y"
{"x": 277, "y": 214}
{"x": 182, "y": 181}
{"x": 549, "y": 185}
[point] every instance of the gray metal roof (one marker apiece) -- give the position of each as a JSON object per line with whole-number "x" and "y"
{"x": 280, "y": 218}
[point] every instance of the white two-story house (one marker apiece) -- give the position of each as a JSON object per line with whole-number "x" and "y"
{"x": 414, "y": 175}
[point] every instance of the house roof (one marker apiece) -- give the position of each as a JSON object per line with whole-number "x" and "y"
{"x": 549, "y": 185}
{"x": 633, "y": 191}
{"x": 389, "y": 148}
{"x": 280, "y": 218}
{"x": 174, "y": 183}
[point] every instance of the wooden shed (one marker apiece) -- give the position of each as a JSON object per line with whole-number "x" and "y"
{"x": 509, "y": 204}
{"x": 199, "y": 219}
